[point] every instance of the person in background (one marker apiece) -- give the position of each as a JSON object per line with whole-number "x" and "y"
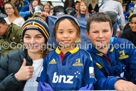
{"x": 19, "y": 69}
{"x": 13, "y": 15}
{"x": 114, "y": 64}
{"x": 77, "y": 3}
{"x": 47, "y": 9}
{"x": 27, "y": 11}
{"x": 69, "y": 6}
{"x": 114, "y": 6}
{"x": 19, "y": 4}
{"x": 130, "y": 33}
{"x": 72, "y": 66}
{"x": 83, "y": 11}
{"x": 93, "y": 7}
{"x": 11, "y": 36}
{"x": 130, "y": 7}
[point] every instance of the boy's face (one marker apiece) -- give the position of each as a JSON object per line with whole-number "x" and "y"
{"x": 3, "y": 28}
{"x": 100, "y": 34}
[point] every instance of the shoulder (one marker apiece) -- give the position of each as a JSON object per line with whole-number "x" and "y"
{"x": 123, "y": 42}
{"x": 85, "y": 53}
{"x": 14, "y": 55}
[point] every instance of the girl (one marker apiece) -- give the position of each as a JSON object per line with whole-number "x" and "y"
{"x": 19, "y": 69}
{"x": 67, "y": 67}
{"x": 13, "y": 15}
{"x": 83, "y": 11}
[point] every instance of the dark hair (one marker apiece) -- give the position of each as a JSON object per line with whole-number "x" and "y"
{"x": 73, "y": 23}
{"x": 133, "y": 16}
{"x": 98, "y": 17}
{"x": 2, "y": 20}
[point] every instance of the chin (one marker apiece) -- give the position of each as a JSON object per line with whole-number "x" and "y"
{"x": 34, "y": 50}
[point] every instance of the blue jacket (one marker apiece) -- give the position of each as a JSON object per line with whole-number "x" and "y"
{"x": 74, "y": 72}
{"x": 24, "y": 12}
{"x": 122, "y": 56}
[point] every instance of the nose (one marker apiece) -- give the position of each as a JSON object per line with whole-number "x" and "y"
{"x": 65, "y": 35}
{"x": 100, "y": 35}
{"x": 32, "y": 40}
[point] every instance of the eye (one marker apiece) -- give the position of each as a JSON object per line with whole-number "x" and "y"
{"x": 105, "y": 30}
{"x": 95, "y": 32}
{"x": 27, "y": 37}
{"x": 60, "y": 32}
{"x": 70, "y": 31}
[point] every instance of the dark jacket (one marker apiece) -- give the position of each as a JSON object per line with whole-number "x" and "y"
{"x": 130, "y": 35}
{"x": 9, "y": 65}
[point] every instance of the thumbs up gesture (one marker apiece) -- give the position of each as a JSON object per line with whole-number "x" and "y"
{"x": 25, "y": 72}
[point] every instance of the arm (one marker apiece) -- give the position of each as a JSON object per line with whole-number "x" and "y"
{"x": 122, "y": 18}
{"x": 42, "y": 79}
{"x": 88, "y": 77}
{"x": 7, "y": 81}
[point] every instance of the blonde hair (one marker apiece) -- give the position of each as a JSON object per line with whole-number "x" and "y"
{"x": 47, "y": 4}
{"x": 86, "y": 12}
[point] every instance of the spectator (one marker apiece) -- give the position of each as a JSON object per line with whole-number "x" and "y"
{"x": 20, "y": 68}
{"x": 28, "y": 10}
{"x": 11, "y": 36}
{"x": 83, "y": 11}
{"x": 20, "y": 3}
{"x": 77, "y": 3}
{"x": 13, "y": 15}
{"x": 131, "y": 6}
{"x": 114, "y": 66}
{"x": 130, "y": 33}
{"x": 69, "y": 6}
{"x": 114, "y": 6}
{"x": 93, "y": 7}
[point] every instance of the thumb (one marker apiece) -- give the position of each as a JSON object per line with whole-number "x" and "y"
{"x": 24, "y": 62}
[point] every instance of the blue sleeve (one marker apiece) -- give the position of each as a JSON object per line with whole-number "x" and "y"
{"x": 43, "y": 77}
{"x": 104, "y": 83}
{"x": 130, "y": 5}
{"x": 43, "y": 86}
{"x": 131, "y": 62}
{"x": 24, "y": 12}
{"x": 88, "y": 77}
{"x": 87, "y": 87}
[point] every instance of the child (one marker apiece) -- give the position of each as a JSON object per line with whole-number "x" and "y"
{"x": 67, "y": 67}
{"x": 83, "y": 11}
{"x": 114, "y": 66}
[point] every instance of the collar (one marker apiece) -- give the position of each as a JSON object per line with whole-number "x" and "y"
{"x": 58, "y": 50}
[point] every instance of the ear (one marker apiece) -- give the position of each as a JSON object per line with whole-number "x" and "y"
{"x": 87, "y": 34}
{"x": 6, "y": 24}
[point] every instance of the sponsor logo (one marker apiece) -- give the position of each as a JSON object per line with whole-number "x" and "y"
{"x": 53, "y": 61}
{"x": 62, "y": 78}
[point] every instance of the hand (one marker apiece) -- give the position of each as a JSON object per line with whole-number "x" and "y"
{"x": 122, "y": 85}
{"x": 25, "y": 72}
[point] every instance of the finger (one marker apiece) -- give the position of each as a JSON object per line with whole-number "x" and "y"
{"x": 24, "y": 62}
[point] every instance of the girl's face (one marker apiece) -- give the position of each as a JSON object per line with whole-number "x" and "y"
{"x": 34, "y": 3}
{"x": 34, "y": 41}
{"x": 83, "y": 7}
{"x": 66, "y": 34}
{"x": 46, "y": 9}
{"x": 77, "y": 6}
{"x": 9, "y": 9}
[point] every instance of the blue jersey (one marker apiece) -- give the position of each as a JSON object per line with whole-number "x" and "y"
{"x": 118, "y": 63}
{"x": 74, "y": 72}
